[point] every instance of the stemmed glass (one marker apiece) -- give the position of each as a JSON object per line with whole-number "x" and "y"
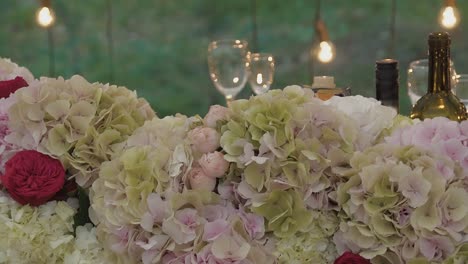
{"x": 227, "y": 63}
{"x": 417, "y": 79}
{"x": 261, "y": 72}
{"x": 461, "y": 88}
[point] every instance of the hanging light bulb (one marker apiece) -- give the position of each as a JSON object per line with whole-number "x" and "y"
{"x": 45, "y": 16}
{"x": 449, "y": 16}
{"x": 325, "y": 50}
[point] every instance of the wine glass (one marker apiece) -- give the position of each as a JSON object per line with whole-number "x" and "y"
{"x": 261, "y": 72}
{"x": 227, "y": 63}
{"x": 418, "y": 72}
{"x": 461, "y": 88}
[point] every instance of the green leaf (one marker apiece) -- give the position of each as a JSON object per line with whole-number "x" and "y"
{"x": 82, "y": 217}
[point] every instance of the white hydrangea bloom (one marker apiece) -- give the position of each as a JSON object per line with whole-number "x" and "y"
{"x": 10, "y": 70}
{"x": 44, "y": 234}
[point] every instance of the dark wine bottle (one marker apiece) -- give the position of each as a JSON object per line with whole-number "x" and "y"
{"x": 439, "y": 99}
{"x": 386, "y": 82}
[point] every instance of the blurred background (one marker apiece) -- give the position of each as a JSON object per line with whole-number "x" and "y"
{"x": 159, "y": 47}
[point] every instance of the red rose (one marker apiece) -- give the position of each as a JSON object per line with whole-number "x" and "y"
{"x": 351, "y": 258}
{"x": 32, "y": 177}
{"x": 10, "y": 86}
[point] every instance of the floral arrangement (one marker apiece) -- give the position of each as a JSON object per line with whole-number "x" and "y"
{"x": 153, "y": 202}
{"x": 54, "y": 135}
{"x": 80, "y": 123}
{"x": 282, "y": 177}
{"x": 399, "y": 204}
{"x": 258, "y": 178}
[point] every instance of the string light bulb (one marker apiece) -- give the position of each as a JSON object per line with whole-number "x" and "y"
{"x": 324, "y": 51}
{"x": 45, "y": 16}
{"x": 449, "y": 16}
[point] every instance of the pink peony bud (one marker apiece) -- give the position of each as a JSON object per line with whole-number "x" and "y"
{"x": 204, "y": 139}
{"x": 215, "y": 114}
{"x": 213, "y": 164}
{"x": 200, "y": 181}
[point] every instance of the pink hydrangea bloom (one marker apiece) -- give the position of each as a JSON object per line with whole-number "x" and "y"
{"x": 441, "y": 135}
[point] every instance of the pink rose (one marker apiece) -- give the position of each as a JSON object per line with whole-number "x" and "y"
{"x": 204, "y": 139}
{"x": 215, "y": 114}
{"x": 226, "y": 191}
{"x": 200, "y": 181}
{"x": 213, "y": 164}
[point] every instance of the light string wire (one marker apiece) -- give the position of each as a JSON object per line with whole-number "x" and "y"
{"x": 110, "y": 39}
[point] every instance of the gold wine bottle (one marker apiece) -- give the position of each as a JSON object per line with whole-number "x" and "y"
{"x": 439, "y": 99}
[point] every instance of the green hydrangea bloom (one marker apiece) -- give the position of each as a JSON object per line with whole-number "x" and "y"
{"x": 127, "y": 181}
{"x": 460, "y": 257}
{"x": 80, "y": 123}
{"x": 397, "y": 196}
{"x": 285, "y": 212}
{"x": 313, "y": 246}
{"x": 154, "y": 159}
{"x": 269, "y": 113}
{"x": 305, "y": 248}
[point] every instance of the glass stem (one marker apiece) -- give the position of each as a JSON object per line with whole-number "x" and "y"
{"x": 229, "y": 100}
